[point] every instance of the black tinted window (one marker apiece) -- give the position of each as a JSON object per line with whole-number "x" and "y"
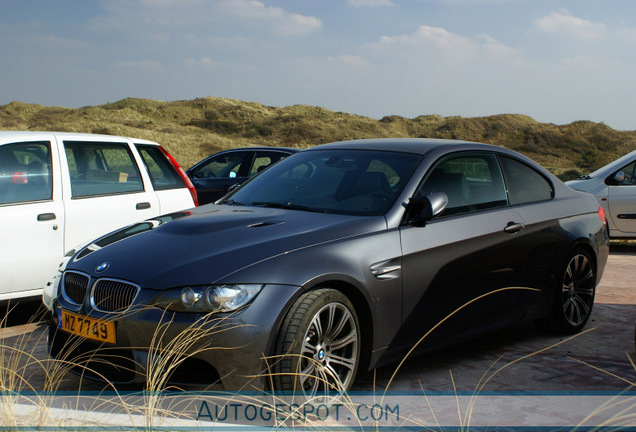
{"x": 471, "y": 182}
{"x": 525, "y": 184}
{"x": 230, "y": 165}
{"x": 263, "y": 159}
{"x": 333, "y": 181}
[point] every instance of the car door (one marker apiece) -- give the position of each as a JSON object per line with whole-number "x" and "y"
{"x": 107, "y": 189}
{"x": 213, "y": 177}
{"x": 31, "y": 217}
{"x": 473, "y": 249}
{"x": 621, "y": 200}
{"x": 168, "y": 179}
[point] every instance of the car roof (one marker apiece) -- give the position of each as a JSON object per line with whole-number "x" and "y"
{"x": 5, "y": 136}
{"x": 257, "y": 148}
{"x": 406, "y": 145}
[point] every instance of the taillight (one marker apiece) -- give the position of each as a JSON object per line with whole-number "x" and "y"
{"x": 601, "y": 215}
{"x": 183, "y": 176}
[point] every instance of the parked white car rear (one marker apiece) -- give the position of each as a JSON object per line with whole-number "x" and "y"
{"x": 60, "y": 190}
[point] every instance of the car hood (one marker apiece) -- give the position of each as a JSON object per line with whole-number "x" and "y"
{"x": 211, "y": 243}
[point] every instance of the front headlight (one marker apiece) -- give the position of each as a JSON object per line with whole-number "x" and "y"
{"x": 211, "y": 298}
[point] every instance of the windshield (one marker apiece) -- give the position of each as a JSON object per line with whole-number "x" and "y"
{"x": 354, "y": 182}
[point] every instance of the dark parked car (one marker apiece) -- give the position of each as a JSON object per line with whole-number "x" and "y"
{"x": 338, "y": 258}
{"x": 215, "y": 175}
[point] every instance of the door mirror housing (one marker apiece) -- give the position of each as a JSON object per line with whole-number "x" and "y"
{"x": 619, "y": 176}
{"x": 425, "y": 208}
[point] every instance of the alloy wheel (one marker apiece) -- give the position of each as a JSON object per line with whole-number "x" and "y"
{"x": 328, "y": 357}
{"x": 578, "y": 290}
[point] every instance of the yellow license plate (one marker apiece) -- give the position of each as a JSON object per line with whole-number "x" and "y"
{"x": 91, "y": 328}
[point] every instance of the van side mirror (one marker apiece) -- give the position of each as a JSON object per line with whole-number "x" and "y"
{"x": 425, "y": 208}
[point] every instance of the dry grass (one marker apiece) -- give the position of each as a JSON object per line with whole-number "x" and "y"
{"x": 191, "y": 130}
{"x": 166, "y": 354}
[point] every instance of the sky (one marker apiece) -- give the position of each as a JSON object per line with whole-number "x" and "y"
{"x": 556, "y": 61}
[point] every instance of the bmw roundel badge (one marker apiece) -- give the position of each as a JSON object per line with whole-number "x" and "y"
{"x": 103, "y": 266}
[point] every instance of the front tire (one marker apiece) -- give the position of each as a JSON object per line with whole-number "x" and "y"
{"x": 574, "y": 294}
{"x": 319, "y": 342}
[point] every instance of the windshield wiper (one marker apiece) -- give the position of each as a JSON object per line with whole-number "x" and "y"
{"x": 288, "y": 206}
{"x": 232, "y": 202}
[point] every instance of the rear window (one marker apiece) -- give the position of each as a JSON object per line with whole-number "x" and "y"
{"x": 162, "y": 174}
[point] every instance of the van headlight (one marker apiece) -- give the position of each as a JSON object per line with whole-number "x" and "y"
{"x": 209, "y": 298}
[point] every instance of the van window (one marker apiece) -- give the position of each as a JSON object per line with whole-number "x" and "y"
{"x": 162, "y": 174}
{"x": 25, "y": 172}
{"x": 101, "y": 168}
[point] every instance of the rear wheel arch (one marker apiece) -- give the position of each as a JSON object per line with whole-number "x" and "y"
{"x": 585, "y": 245}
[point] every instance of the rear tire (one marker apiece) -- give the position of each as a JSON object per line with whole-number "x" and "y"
{"x": 573, "y": 296}
{"x": 319, "y": 342}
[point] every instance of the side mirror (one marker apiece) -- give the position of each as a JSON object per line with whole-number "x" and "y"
{"x": 423, "y": 209}
{"x": 619, "y": 176}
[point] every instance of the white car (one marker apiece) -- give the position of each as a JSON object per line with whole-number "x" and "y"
{"x": 61, "y": 190}
{"x": 614, "y": 186}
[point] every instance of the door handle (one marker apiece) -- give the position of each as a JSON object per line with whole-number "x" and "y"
{"x": 46, "y": 217}
{"x": 143, "y": 205}
{"x": 513, "y": 227}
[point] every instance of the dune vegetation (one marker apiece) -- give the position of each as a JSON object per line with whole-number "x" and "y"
{"x": 193, "y": 129}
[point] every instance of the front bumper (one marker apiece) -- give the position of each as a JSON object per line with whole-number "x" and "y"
{"x": 232, "y": 350}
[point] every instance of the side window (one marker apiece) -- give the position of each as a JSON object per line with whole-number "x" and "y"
{"x": 263, "y": 159}
{"x": 101, "y": 168}
{"x": 472, "y": 182}
{"x": 162, "y": 174}
{"x": 223, "y": 165}
{"x": 25, "y": 172}
{"x": 525, "y": 185}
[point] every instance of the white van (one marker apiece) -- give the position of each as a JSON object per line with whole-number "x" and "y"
{"x": 60, "y": 190}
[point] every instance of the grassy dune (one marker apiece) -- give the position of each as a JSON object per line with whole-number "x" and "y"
{"x": 193, "y": 129}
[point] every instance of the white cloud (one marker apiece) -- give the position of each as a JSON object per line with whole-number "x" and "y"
{"x": 371, "y": 3}
{"x": 565, "y": 24}
{"x": 282, "y": 22}
{"x": 426, "y": 35}
{"x": 494, "y": 47}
